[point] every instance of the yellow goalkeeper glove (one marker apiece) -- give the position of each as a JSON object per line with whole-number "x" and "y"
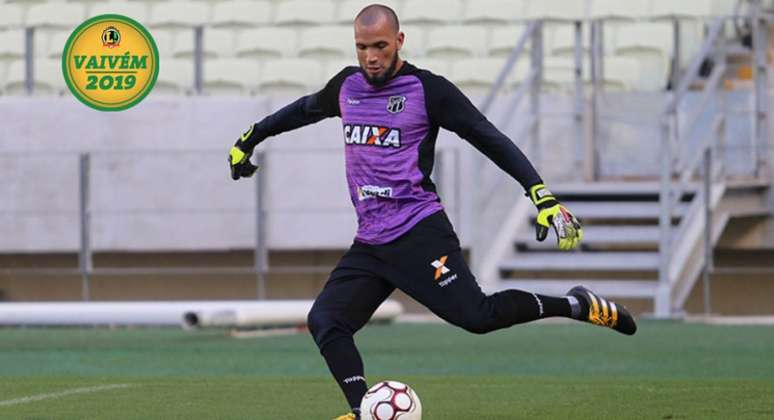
{"x": 239, "y": 160}
{"x": 551, "y": 213}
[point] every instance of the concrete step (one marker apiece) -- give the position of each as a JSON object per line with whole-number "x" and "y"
{"x": 611, "y": 189}
{"x": 600, "y": 236}
{"x": 582, "y": 261}
{"x": 620, "y": 211}
{"x": 606, "y": 288}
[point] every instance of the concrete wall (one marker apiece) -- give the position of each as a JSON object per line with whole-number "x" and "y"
{"x": 159, "y": 178}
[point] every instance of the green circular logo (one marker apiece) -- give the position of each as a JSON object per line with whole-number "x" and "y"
{"x": 110, "y": 62}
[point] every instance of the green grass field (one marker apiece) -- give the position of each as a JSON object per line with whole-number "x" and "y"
{"x": 667, "y": 371}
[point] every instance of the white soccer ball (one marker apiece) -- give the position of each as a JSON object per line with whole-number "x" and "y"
{"x": 390, "y": 400}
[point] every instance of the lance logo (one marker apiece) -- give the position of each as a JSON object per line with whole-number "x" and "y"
{"x": 395, "y": 104}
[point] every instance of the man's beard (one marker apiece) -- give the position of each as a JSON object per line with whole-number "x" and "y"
{"x": 381, "y": 79}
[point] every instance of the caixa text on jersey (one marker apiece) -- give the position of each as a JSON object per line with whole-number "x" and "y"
{"x": 371, "y": 135}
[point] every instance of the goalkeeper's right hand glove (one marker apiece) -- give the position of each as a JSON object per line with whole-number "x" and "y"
{"x": 240, "y": 164}
{"x": 551, "y": 213}
{"x": 239, "y": 155}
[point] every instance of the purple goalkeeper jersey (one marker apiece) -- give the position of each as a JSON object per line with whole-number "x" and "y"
{"x": 389, "y": 133}
{"x": 383, "y": 130}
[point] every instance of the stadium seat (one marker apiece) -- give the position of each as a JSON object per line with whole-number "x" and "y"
{"x": 502, "y": 40}
{"x": 327, "y": 42}
{"x": 414, "y": 42}
{"x": 332, "y": 68}
{"x": 175, "y": 77}
{"x": 165, "y": 40}
{"x": 617, "y": 10}
{"x": 47, "y": 80}
{"x": 56, "y": 15}
{"x": 557, "y": 10}
{"x": 431, "y": 12}
{"x": 10, "y": 16}
{"x": 653, "y": 37}
{"x": 304, "y": 12}
{"x": 561, "y": 40}
{"x": 12, "y": 44}
{"x": 723, "y": 7}
{"x": 476, "y": 76}
{"x": 266, "y": 43}
{"x": 178, "y": 14}
{"x": 240, "y": 14}
{"x": 494, "y": 11}
{"x": 650, "y": 43}
{"x": 215, "y": 43}
{"x": 230, "y": 76}
{"x": 455, "y": 42}
{"x": 439, "y": 67}
{"x": 626, "y": 74}
{"x": 136, "y": 11}
{"x": 289, "y": 77}
{"x": 696, "y": 9}
{"x": 348, "y": 9}
{"x": 559, "y": 74}
{"x": 56, "y": 44}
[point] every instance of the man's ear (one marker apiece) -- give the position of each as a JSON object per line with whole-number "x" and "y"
{"x": 401, "y": 38}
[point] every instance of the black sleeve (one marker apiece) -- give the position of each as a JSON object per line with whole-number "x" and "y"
{"x": 304, "y": 111}
{"x": 449, "y": 108}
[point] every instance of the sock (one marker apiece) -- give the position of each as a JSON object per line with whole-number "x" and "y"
{"x": 345, "y": 364}
{"x": 528, "y": 306}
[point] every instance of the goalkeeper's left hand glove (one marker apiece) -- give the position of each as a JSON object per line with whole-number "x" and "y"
{"x": 551, "y": 213}
{"x": 240, "y": 164}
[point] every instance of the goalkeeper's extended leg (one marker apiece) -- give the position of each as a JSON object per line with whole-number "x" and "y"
{"x": 345, "y": 304}
{"x": 428, "y": 265}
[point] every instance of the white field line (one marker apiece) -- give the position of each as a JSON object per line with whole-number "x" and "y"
{"x": 74, "y": 391}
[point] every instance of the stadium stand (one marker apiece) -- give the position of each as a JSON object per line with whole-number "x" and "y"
{"x": 10, "y": 16}
{"x": 216, "y": 43}
{"x": 557, "y": 10}
{"x": 499, "y": 12}
{"x": 266, "y": 43}
{"x": 436, "y": 30}
{"x": 348, "y": 9}
{"x": 12, "y": 44}
{"x": 326, "y": 42}
{"x": 301, "y": 13}
{"x": 55, "y": 15}
{"x": 178, "y": 14}
{"x": 136, "y": 11}
{"x": 47, "y": 78}
{"x": 502, "y": 40}
{"x": 230, "y": 76}
{"x": 616, "y": 10}
{"x": 292, "y": 76}
{"x": 456, "y": 42}
{"x": 240, "y": 14}
{"x": 431, "y": 12}
{"x": 175, "y": 78}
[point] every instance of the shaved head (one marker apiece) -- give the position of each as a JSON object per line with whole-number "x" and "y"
{"x": 373, "y": 14}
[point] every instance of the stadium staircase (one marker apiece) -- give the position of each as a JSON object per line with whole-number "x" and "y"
{"x": 619, "y": 255}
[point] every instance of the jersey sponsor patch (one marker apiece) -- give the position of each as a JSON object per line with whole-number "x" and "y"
{"x": 371, "y": 191}
{"x": 364, "y": 134}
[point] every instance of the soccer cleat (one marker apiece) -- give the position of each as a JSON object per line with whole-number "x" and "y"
{"x": 602, "y": 312}
{"x": 348, "y": 416}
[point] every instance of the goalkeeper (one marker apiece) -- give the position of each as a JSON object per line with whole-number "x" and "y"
{"x": 391, "y": 112}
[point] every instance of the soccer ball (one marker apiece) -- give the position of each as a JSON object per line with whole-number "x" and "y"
{"x": 390, "y": 400}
